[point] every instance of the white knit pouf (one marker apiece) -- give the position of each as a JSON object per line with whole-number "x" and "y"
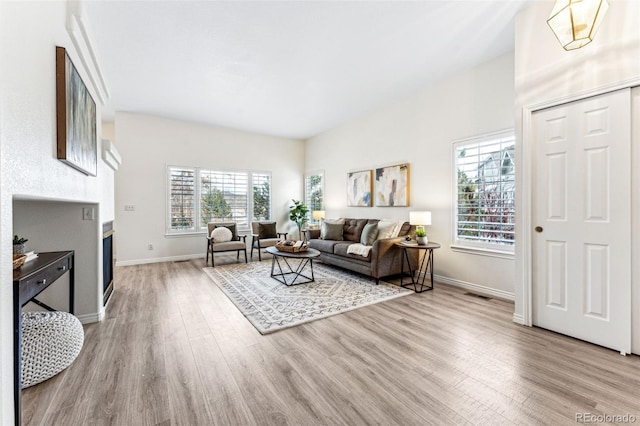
{"x": 51, "y": 341}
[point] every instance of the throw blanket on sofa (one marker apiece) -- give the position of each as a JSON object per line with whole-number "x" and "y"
{"x": 359, "y": 249}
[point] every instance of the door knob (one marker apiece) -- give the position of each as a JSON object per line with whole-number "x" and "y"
{"x": 538, "y": 229}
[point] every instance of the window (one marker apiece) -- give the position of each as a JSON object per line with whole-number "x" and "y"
{"x": 182, "y": 190}
{"x": 217, "y": 196}
{"x": 314, "y": 192}
{"x": 261, "y": 196}
{"x": 485, "y": 192}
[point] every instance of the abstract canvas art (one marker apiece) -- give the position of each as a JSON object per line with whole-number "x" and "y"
{"x": 76, "y": 117}
{"x": 392, "y": 186}
{"x": 359, "y": 189}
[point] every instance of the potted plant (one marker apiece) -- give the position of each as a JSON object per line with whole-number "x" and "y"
{"x": 298, "y": 214}
{"x": 18, "y": 244}
{"x": 421, "y": 236}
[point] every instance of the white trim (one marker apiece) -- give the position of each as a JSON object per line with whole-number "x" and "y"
{"x": 160, "y": 259}
{"x": 518, "y": 319}
{"x": 91, "y": 318}
{"x": 476, "y": 288}
{"x": 481, "y": 251}
{"x": 110, "y": 154}
{"x": 82, "y": 41}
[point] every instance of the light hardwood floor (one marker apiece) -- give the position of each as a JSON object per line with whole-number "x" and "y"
{"x": 174, "y": 350}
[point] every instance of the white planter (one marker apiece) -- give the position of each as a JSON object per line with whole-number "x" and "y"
{"x": 422, "y": 240}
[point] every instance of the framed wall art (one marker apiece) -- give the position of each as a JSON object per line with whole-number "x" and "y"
{"x": 392, "y": 186}
{"x": 359, "y": 189}
{"x": 76, "y": 118}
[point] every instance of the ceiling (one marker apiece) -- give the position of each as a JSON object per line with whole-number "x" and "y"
{"x": 287, "y": 68}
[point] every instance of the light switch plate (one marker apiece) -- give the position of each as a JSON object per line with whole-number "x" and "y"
{"x": 87, "y": 213}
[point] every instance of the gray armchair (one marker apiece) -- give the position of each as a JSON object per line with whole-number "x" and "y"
{"x": 264, "y": 234}
{"x": 238, "y": 242}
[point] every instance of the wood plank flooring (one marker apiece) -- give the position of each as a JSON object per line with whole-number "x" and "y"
{"x": 173, "y": 350}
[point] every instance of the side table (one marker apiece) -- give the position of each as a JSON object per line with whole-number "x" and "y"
{"x": 425, "y": 267}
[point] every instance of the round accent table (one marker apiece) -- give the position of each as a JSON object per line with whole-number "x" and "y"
{"x": 285, "y": 273}
{"x": 425, "y": 265}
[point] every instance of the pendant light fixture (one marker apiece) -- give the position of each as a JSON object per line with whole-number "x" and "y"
{"x": 575, "y": 22}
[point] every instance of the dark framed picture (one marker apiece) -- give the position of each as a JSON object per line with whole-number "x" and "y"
{"x": 76, "y": 118}
{"x": 392, "y": 186}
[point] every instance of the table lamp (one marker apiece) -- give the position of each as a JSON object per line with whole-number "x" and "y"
{"x": 318, "y": 215}
{"x": 420, "y": 219}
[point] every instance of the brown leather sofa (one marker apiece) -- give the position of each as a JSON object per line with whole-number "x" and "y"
{"x": 385, "y": 258}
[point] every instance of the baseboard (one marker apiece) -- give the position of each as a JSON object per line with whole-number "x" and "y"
{"x": 159, "y": 259}
{"x": 476, "y": 288}
{"x": 91, "y": 318}
{"x": 518, "y": 319}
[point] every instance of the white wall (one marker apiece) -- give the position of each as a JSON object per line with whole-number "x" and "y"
{"x": 149, "y": 144}
{"x": 546, "y": 74}
{"x": 420, "y": 130}
{"x": 29, "y": 32}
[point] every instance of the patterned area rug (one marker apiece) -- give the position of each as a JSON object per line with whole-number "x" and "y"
{"x": 271, "y": 306}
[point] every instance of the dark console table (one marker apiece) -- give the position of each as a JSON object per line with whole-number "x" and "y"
{"x": 28, "y": 282}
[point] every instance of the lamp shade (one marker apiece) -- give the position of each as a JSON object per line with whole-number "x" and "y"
{"x": 575, "y": 22}
{"x": 318, "y": 214}
{"x": 420, "y": 218}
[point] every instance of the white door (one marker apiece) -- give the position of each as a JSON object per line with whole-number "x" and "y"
{"x": 582, "y": 219}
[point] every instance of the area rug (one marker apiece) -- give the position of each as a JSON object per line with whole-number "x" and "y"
{"x": 271, "y": 306}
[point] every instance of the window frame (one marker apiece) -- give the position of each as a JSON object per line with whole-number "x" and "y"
{"x": 199, "y": 227}
{"x": 478, "y": 247}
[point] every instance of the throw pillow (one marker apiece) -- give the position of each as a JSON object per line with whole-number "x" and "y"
{"x": 267, "y": 230}
{"x": 369, "y": 234}
{"x": 385, "y": 229}
{"x": 231, "y": 227}
{"x": 221, "y": 235}
{"x": 331, "y": 231}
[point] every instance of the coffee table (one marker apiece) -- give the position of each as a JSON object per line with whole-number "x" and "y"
{"x": 285, "y": 273}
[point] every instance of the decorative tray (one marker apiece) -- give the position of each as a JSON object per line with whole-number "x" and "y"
{"x": 18, "y": 260}
{"x": 292, "y": 246}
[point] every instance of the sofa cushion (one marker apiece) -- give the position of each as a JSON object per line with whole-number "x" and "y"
{"x": 325, "y": 246}
{"x": 340, "y": 249}
{"x": 369, "y": 234}
{"x": 331, "y": 231}
{"x": 353, "y": 229}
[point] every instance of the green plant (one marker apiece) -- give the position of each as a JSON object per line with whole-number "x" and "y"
{"x": 298, "y": 213}
{"x": 19, "y": 240}
{"x": 420, "y": 232}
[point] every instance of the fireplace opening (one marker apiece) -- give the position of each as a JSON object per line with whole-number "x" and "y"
{"x": 107, "y": 260}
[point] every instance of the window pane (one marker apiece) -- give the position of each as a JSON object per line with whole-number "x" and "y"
{"x": 314, "y": 198}
{"x": 181, "y": 199}
{"x": 261, "y": 196}
{"x": 223, "y": 197}
{"x": 486, "y": 190}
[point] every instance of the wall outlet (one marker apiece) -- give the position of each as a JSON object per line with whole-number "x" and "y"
{"x": 150, "y": 246}
{"x": 129, "y": 208}
{"x": 87, "y": 213}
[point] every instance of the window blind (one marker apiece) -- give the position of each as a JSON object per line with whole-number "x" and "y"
{"x": 182, "y": 198}
{"x": 485, "y": 190}
{"x": 261, "y": 184}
